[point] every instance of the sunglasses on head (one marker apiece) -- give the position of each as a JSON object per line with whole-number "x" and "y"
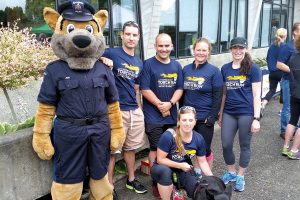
{"x": 130, "y": 23}
{"x": 183, "y": 108}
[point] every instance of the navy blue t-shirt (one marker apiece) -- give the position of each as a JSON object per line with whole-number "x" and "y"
{"x": 198, "y": 87}
{"x": 195, "y": 147}
{"x": 126, "y": 69}
{"x": 272, "y": 56}
{"x": 285, "y": 53}
{"x": 163, "y": 80}
{"x": 78, "y": 93}
{"x": 239, "y": 97}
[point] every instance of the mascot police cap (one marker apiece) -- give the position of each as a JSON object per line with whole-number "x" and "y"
{"x": 76, "y": 10}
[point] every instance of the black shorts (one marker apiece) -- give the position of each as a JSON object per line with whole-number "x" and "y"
{"x": 295, "y": 111}
{"x": 78, "y": 148}
{"x": 154, "y": 131}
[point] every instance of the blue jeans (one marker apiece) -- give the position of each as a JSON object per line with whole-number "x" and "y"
{"x": 285, "y": 112}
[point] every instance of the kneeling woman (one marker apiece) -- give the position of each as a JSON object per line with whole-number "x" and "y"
{"x": 171, "y": 151}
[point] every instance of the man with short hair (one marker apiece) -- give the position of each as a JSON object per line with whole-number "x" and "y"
{"x": 162, "y": 87}
{"x": 126, "y": 70}
{"x": 285, "y": 53}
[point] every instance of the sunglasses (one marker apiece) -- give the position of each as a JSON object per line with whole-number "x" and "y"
{"x": 183, "y": 108}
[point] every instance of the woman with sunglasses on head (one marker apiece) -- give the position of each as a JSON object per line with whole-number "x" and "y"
{"x": 173, "y": 148}
{"x": 203, "y": 85}
{"x": 240, "y": 109}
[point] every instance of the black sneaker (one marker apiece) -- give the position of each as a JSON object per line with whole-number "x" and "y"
{"x": 136, "y": 186}
{"x": 115, "y": 195}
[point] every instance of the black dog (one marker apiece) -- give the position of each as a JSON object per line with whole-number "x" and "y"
{"x": 212, "y": 188}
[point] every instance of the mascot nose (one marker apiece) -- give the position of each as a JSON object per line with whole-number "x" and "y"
{"x": 81, "y": 41}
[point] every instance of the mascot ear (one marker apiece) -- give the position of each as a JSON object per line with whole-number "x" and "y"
{"x": 51, "y": 17}
{"x": 101, "y": 16}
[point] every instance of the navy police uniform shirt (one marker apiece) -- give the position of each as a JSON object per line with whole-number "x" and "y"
{"x": 272, "y": 56}
{"x": 285, "y": 53}
{"x": 194, "y": 148}
{"x": 198, "y": 87}
{"x": 78, "y": 93}
{"x": 239, "y": 96}
{"x": 163, "y": 80}
{"x": 126, "y": 69}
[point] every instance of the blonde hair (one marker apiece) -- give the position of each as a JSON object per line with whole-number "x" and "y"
{"x": 178, "y": 140}
{"x": 280, "y": 36}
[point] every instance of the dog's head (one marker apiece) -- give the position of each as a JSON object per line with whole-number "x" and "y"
{"x": 77, "y": 37}
{"x": 212, "y": 188}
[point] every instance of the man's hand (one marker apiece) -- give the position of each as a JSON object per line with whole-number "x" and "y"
{"x": 107, "y": 62}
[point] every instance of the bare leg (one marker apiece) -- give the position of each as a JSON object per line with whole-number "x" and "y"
{"x": 296, "y": 143}
{"x": 129, "y": 157}
{"x": 152, "y": 156}
{"x": 231, "y": 168}
{"x": 111, "y": 168}
{"x": 165, "y": 191}
{"x": 241, "y": 171}
{"x": 289, "y": 132}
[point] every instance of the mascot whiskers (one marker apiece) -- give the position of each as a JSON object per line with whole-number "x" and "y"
{"x": 79, "y": 93}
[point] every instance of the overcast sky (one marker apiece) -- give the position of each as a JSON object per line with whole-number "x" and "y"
{"x": 12, "y": 3}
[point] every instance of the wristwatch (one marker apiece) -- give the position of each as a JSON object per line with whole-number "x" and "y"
{"x": 256, "y": 118}
{"x": 172, "y": 104}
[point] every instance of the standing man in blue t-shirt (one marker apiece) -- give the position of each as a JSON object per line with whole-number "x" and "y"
{"x": 162, "y": 87}
{"x": 126, "y": 70}
{"x": 285, "y": 54}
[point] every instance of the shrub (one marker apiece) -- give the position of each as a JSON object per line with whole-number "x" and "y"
{"x": 22, "y": 57}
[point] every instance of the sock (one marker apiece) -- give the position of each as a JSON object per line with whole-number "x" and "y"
{"x": 197, "y": 171}
{"x": 130, "y": 180}
{"x": 286, "y": 146}
{"x": 294, "y": 151}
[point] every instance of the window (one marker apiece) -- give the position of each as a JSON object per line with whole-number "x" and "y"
{"x": 205, "y": 18}
{"x": 275, "y": 14}
{"x": 210, "y": 23}
{"x": 188, "y": 26}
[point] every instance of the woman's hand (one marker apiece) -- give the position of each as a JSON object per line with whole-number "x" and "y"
{"x": 220, "y": 119}
{"x": 255, "y": 127}
{"x": 107, "y": 62}
{"x": 185, "y": 167}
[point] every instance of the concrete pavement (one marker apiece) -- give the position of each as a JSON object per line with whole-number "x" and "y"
{"x": 269, "y": 176}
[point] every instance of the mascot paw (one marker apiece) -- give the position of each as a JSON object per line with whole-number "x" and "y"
{"x": 117, "y": 139}
{"x": 42, "y": 146}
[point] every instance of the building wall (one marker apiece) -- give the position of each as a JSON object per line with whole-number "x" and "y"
{"x": 297, "y": 11}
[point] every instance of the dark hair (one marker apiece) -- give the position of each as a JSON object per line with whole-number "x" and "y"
{"x": 297, "y": 43}
{"x": 130, "y": 24}
{"x": 246, "y": 64}
{"x": 178, "y": 140}
{"x": 295, "y": 26}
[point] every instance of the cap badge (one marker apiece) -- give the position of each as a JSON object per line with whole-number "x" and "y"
{"x": 78, "y": 6}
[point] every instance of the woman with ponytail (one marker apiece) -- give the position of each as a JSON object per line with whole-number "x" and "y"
{"x": 275, "y": 74}
{"x": 240, "y": 109}
{"x": 173, "y": 148}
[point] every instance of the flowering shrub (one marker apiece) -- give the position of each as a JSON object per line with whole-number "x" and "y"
{"x": 22, "y": 57}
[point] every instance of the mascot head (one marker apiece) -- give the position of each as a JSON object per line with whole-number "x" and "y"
{"x": 77, "y": 37}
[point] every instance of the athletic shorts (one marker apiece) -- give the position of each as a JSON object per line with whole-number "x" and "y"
{"x": 78, "y": 148}
{"x": 154, "y": 131}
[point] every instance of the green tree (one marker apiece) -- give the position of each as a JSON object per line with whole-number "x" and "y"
{"x": 34, "y": 10}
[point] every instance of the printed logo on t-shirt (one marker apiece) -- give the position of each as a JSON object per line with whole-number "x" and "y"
{"x": 180, "y": 157}
{"x": 167, "y": 80}
{"x": 235, "y": 82}
{"x": 129, "y": 71}
{"x": 193, "y": 83}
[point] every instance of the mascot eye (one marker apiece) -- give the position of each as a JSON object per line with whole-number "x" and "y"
{"x": 89, "y": 28}
{"x": 70, "y": 28}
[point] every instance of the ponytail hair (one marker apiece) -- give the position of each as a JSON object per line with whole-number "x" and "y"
{"x": 280, "y": 36}
{"x": 246, "y": 64}
{"x": 178, "y": 141}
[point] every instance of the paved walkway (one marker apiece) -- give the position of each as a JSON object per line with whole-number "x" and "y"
{"x": 269, "y": 176}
